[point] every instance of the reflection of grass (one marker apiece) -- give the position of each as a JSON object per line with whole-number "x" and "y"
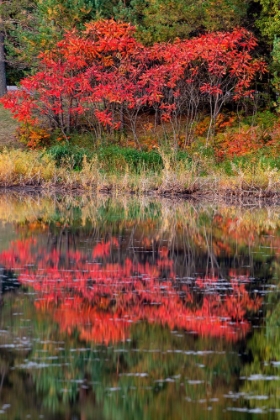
{"x": 168, "y": 214}
{"x": 214, "y": 229}
{"x": 27, "y": 209}
{"x": 263, "y": 370}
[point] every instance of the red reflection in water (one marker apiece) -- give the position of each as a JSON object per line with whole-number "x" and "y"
{"x": 101, "y": 299}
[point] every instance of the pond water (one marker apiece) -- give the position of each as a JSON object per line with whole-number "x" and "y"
{"x": 138, "y": 309}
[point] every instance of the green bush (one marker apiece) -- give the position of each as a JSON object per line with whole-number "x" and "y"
{"x": 112, "y": 158}
{"x": 249, "y": 162}
{"x": 263, "y": 119}
{"x": 70, "y": 155}
{"x": 115, "y": 158}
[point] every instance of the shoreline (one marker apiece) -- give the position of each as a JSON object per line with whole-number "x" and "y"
{"x": 260, "y": 197}
{"x": 37, "y": 171}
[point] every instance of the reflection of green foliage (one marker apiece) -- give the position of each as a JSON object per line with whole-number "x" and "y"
{"x": 171, "y": 361}
{"x": 264, "y": 348}
{"x": 38, "y": 391}
{"x": 113, "y": 211}
{"x": 17, "y": 386}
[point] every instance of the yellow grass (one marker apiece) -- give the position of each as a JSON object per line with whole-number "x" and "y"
{"x": 35, "y": 168}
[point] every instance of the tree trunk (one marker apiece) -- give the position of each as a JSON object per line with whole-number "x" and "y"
{"x": 3, "y": 83}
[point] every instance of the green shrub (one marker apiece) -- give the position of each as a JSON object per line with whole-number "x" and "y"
{"x": 250, "y": 162}
{"x": 70, "y": 155}
{"x": 263, "y": 119}
{"x": 115, "y": 158}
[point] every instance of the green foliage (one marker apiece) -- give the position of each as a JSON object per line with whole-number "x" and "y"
{"x": 33, "y": 26}
{"x": 86, "y": 140}
{"x": 115, "y": 158}
{"x": 269, "y": 20}
{"x": 165, "y": 20}
{"x": 269, "y": 25}
{"x": 160, "y": 20}
{"x": 110, "y": 158}
{"x": 224, "y": 14}
{"x": 67, "y": 154}
{"x": 276, "y": 70}
{"x": 264, "y": 119}
{"x": 182, "y": 156}
{"x": 249, "y": 163}
{"x": 50, "y": 19}
{"x": 14, "y": 74}
{"x": 16, "y": 17}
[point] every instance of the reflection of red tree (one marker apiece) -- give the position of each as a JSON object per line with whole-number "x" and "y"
{"x": 101, "y": 299}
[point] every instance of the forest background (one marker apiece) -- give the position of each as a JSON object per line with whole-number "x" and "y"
{"x": 163, "y": 95}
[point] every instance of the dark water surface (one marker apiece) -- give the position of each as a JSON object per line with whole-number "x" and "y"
{"x": 138, "y": 309}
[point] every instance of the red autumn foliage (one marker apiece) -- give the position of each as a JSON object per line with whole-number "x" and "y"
{"x": 101, "y": 298}
{"x": 104, "y": 74}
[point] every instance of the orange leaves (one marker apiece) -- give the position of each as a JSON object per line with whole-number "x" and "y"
{"x": 240, "y": 142}
{"x": 109, "y": 29}
{"x": 33, "y": 136}
{"x": 105, "y": 117}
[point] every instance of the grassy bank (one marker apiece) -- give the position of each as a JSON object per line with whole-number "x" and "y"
{"x": 164, "y": 174}
{"x": 160, "y": 170}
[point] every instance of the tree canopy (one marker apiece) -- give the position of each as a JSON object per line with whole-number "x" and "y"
{"x": 165, "y": 20}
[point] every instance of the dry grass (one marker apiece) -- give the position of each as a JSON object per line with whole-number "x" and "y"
{"x": 258, "y": 182}
{"x": 19, "y": 167}
{"x": 23, "y": 168}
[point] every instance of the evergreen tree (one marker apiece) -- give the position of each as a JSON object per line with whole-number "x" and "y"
{"x": 30, "y": 27}
{"x": 165, "y": 20}
{"x": 269, "y": 25}
{"x": 269, "y": 20}
{"x": 13, "y": 15}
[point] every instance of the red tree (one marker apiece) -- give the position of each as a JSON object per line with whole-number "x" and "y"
{"x": 103, "y": 77}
